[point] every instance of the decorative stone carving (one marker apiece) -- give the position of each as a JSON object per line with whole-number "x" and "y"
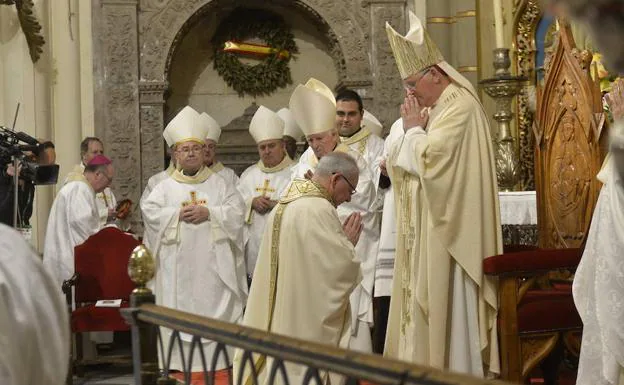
{"x": 121, "y": 101}
{"x": 160, "y": 26}
{"x": 388, "y": 93}
{"x": 152, "y": 143}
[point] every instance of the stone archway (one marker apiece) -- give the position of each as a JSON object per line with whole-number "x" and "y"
{"x": 135, "y": 40}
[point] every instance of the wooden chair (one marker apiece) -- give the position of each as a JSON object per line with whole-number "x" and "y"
{"x": 101, "y": 273}
{"x": 537, "y": 316}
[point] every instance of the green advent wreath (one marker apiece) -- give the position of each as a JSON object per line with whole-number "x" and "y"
{"x": 230, "y": 41}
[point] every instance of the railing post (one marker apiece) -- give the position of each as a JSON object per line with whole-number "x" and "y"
{"x": 144, "y": 335}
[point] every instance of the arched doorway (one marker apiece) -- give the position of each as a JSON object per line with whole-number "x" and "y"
{"x": 135, "y": 45}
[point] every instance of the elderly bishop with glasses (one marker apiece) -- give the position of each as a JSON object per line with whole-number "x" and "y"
{"x": 443, "y": 309}
{"x": 195, "y": 218}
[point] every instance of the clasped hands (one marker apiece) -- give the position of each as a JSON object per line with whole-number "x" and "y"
{"x": 413, "y": 114}
{"x": 262, "y": 204}
{"x": 352, "y": 227}
{"x": 194, "y": 214}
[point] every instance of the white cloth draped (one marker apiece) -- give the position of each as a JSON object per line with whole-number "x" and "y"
{"x": 73, "y": 218}
{"x": 599, "y": 285}
{"x": 200, "y": 267}
{"x": 34, "y": 332}
{"x": 384, "y": 269}
{"x": 518, "y": 207}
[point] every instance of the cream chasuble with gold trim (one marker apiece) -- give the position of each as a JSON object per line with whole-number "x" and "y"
{"x": 365, "y": 202}
{"x": 306, "y": 271}
{"x": 443, "y": 309}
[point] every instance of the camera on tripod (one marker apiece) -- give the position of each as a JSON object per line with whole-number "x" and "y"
{"x": 25, "y": 148}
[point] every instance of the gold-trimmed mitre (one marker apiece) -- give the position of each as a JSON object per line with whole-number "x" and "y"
{"x": 266, "y": 125}
{"x": 211, "y": 126}
{"x": 184, "y": 127}
{"x": 313, "y": 109}
{"x": 322, "y": 88}
{"x": 415, "y": 51}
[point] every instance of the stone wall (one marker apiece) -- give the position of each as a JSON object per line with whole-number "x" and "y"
{"x": 136, "y": 43}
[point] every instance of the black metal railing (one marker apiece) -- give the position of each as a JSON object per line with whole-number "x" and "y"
{"x": 146, "y": 319}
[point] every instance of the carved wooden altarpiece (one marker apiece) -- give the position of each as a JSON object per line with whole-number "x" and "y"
{"x": 570, "y": 136}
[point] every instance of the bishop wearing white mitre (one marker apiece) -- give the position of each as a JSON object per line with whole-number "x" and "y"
{"x": 263, "y": 183}
{"x": 196, "y": 218}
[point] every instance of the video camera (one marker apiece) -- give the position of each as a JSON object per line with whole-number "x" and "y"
{"x": 26, "y": 149}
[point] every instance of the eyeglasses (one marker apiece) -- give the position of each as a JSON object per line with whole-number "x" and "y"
{"x": 413, "y": 84}
{"x": 188, "y": 150}
{"x": 353, "y": 190}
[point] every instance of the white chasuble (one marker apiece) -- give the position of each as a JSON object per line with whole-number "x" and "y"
{"x": 599, "y": 284}
{"x": 35, "y": 342}
{"x": 258, "y": 180}
{"x": 73, "y": 218}
{"x": 153, "y": 181}
{"x": 305, "y": 273}
{"x": 365, "y": 202}
{"x": 104, "y": 200}
{"x": 199, "y": 267}
{"x": 225, "y": 172}
{"x": 443, "y": 309}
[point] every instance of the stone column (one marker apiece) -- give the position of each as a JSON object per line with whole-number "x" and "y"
{"x": 152, "y": 102}
{"x": 118, "y": 97}
{"x": 387, "y": 86}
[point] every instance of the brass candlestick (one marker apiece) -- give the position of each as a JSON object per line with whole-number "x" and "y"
{"x": 502, "y": 88}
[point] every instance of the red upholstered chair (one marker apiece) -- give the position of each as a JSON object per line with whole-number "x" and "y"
{"x": 536, "y": 314}
{"x": 101, "y": 273}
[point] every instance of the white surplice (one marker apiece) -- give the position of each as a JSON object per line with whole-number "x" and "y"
{"x": 105, "y": 200}
{"x": 364, "y": 201}
{"x": 384, "y": 269}
{"x": 200, "y": 267}
{"x": 599, "y": 284}
{"x": 33, "y": 317}
{"x": 73, "y": 218}
{"x": 153, "y": 181}
{"x": 256, "y": 181}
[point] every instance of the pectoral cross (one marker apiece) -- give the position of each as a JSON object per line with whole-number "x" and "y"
{"x": 194, "y": 200}
{"x": 265, "y": 188}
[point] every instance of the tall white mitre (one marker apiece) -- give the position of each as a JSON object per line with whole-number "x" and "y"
{"x": 211, "y": 125}
{"x": 291, "y": 128}
{"x": 266, "y": 125}
{"x": 416, "y": 51}
{"x": 313, "y": 107}
{"x": 185, "y": 127}
{"x": 370, "y": 122}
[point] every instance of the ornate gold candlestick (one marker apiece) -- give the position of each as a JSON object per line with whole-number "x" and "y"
{"x": 503, "y": 87}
